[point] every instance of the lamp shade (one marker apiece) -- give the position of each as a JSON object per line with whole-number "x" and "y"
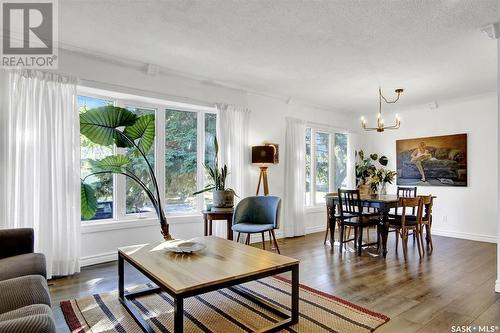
{"x": 263, "y": 154}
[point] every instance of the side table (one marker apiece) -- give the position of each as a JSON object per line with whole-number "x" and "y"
{"x": 209, "y": 216}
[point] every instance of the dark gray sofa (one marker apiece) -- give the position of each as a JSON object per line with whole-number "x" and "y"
{"x": 25, "y": 300}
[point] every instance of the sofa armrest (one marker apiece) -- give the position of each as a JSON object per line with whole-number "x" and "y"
{"x": 16, "y": 241}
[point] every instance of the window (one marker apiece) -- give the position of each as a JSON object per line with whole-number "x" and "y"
{"x": 136, "y": 200}
{"x": 90, "y": 151}
{"x": 181, "y": 161}
{"x": 325, "y": 164}
{"x": 184, "y": 141}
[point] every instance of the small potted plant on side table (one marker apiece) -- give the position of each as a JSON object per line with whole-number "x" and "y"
{"x": 223, "y": 197}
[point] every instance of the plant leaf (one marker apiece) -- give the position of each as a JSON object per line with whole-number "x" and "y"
{"x": 144, "y": 131}
{"x": 114, "y": 163}
{"x": 383, "y": 160}
{"x": 88, "y": 201}
{"x": 100, "y": 125}
{"x": 374, "y": 157}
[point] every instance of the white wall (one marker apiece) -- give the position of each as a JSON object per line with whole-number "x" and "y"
{"x": 464, "y": 212}
{"x": 497, "y": 284}
{"x": 267, "y": 123}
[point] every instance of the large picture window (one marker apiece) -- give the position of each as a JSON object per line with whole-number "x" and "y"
{"x": 325, "y": 164}
{"x": 184, "y": 141}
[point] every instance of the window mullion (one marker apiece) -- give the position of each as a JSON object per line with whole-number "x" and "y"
{"x": 313, "y": 167}
{"x": 331, "y": 163}
{"x": 120, "y": 198}
{"x": 200, "y": 158}
{"x": 160, "y": 153}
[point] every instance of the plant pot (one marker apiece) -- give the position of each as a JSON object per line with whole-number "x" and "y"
{"x": 223, "y": 199}
{"x": 364, "y": 189}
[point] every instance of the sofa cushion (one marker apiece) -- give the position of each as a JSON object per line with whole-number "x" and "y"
{"x": 24, "y": 264}
{"x": 32, "y": 318}
{"x": 23, "y": 291}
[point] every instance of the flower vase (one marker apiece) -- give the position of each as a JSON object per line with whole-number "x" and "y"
{"x": 383, "y": 189}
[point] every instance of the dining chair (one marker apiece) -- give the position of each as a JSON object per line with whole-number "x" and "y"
{"x": 257, "y": 214}
{"x": 330, "y": 214}
{"x": 406, "y": 222}
{"x": 427, "y": 201}
{"x": 352, "y": 215}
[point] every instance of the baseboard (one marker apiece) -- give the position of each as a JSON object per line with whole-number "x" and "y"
{"x": 465, "y": 235}
{"x": 255, "y": 238}
{"x": 497, "y": 286}
{"x": 98, "y": 258}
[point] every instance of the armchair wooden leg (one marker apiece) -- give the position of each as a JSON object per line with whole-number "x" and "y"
{"x": 247, "y": 242}
{"x": 421, "y": 237}
{"x": 360, "y": 240}
{"x": 275, "y": 242}
{"x": 397, "y": 240}
{"x": 416, "y": 232}
{"x": 428, "y": 236}
{"x": 341, "y": 239}
{"x": 404, "y": 240}
{"x": 263, "y": 241}
{"x": 327, "y": 231}
{"x": 238, "y": 238}
{"x": 270, "y": 241}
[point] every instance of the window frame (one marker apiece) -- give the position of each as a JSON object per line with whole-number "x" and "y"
{"x": 313, "y": 204}
{"x": 119, "y": 181}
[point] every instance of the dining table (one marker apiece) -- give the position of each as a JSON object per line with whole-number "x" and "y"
{"x": 383, "y": 203}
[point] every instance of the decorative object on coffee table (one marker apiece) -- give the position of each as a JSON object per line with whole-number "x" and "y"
{"x": 223, "y": 197}
{"x": 263, "y": 156}
{"x": 110, "y": 125}
{"x": 432, "y": 161}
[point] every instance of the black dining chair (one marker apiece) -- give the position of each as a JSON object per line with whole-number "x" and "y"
{"x": 352, "y": 215}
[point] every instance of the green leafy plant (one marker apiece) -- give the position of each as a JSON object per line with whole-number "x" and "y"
{"x": 217, "y": 175}
{"x": 365, "y": 167}
{"x": 381, "y": 176}
{"x": 109, "y": 125}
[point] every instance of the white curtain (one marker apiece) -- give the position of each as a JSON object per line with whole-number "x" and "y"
{"x": 43, "y": 165}
{"x": 232, "y": 135}
{"x": 293, "y": 222}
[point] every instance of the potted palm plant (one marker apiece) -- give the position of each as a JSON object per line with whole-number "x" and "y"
{"x": 223, "y": 197}
{"x": 109, "y": 125}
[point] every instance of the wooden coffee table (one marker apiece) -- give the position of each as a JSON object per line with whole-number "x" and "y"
{"x": 223, "y": 264}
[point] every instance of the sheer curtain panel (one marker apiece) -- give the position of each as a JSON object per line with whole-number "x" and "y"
{"x": 295, "y": 180}
{"x": 232, "y": 135}
{"x": 43, "y": 165}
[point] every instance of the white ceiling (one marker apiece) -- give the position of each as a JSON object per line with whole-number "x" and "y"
{"x": 330, "y": 53}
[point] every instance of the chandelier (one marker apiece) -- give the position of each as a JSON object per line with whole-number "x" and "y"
{"x": 380, "y": 121}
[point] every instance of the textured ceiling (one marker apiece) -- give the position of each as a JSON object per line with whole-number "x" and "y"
{"x": 329, "y": 53}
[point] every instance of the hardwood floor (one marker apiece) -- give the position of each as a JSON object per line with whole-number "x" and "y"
{"x": 452, "y": 286}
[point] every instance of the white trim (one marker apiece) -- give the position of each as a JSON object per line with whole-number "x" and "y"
{"x": 98, "y": 226}
{"x": 497, "y": 286}
{"x": 465, "y": 235}
{"x": 98, "y": 258}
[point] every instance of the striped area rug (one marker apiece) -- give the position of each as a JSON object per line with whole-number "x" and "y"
{"x": 222, "y": 311}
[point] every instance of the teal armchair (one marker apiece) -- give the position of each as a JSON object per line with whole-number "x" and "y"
{"x": 258, "y": 214}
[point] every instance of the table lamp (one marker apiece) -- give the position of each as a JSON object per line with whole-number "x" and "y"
{"x": 263, "y": 156}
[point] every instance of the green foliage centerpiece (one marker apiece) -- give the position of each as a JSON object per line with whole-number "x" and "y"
{"x": 109, "y": 125}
